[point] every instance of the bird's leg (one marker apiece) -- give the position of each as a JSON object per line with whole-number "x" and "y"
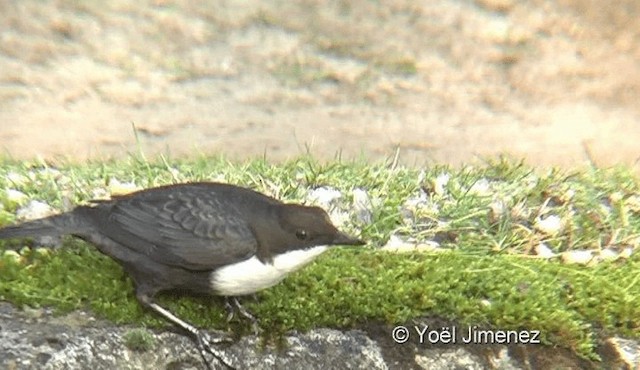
{"x": 232, "y": 305}
{"x": 203, "y": 340}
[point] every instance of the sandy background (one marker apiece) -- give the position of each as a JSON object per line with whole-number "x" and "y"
{"x": 443, "y": 81}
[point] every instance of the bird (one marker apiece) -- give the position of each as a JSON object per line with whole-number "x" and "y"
{"x": 197, "y": 237}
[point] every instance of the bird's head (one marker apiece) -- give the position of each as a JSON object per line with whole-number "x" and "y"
{"x": 308, "y": 226}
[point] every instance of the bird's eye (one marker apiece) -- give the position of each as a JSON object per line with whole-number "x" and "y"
{"x": 301, "y": 234}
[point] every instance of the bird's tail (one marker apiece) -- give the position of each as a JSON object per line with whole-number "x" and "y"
{"x": 53, "y": 226}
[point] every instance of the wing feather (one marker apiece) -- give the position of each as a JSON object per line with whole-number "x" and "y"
{"x": 184, "y": 230}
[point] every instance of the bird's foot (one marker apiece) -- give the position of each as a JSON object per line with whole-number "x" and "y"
{"x": 232, "y": 305}
{"x": 206, "y": 346}
{"x": 204, "y": 342}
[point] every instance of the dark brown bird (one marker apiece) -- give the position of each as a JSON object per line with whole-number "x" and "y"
{"x": 210, "y": 238}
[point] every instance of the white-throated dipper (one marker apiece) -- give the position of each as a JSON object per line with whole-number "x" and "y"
{"x": 203, "y": 237}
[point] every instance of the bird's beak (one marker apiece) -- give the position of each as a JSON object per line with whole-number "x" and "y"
{"x": 344, "y": 239}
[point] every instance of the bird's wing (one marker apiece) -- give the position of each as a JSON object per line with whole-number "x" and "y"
{"x": 191, "y": 232}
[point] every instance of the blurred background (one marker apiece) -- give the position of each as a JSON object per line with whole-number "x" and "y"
{"x": 449, "y": 81}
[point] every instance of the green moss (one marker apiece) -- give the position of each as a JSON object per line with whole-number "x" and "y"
{"x": 483, "y": 279}
{"x": 140, "y": 340}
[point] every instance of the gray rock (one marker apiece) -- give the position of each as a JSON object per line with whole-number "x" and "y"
{"x": 36, "y": 339}
{"x": 41, "y": 341}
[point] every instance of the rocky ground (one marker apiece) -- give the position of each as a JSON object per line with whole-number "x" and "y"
{"x": 443, "y": 81}
{"x": 37, "y": 340}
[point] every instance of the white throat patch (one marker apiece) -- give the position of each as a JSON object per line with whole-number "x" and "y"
{"x": 250, "y": 276}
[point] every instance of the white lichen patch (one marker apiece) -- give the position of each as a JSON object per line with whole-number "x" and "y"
{"x": 362, "y": 206}
{"x": 581, "y": 257}
{"x": 543, "y": 251}
{"x": 482, "y": 187}
{"x": 550, "y": 225}
{"x": 440, "y": 184}
{"x": 34, "y": 210}
{"x": 397, "y": 245}
{"x": 324, "y": 196}
{"x": 14, "y": 196}
{"x": 121, "y": 188}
